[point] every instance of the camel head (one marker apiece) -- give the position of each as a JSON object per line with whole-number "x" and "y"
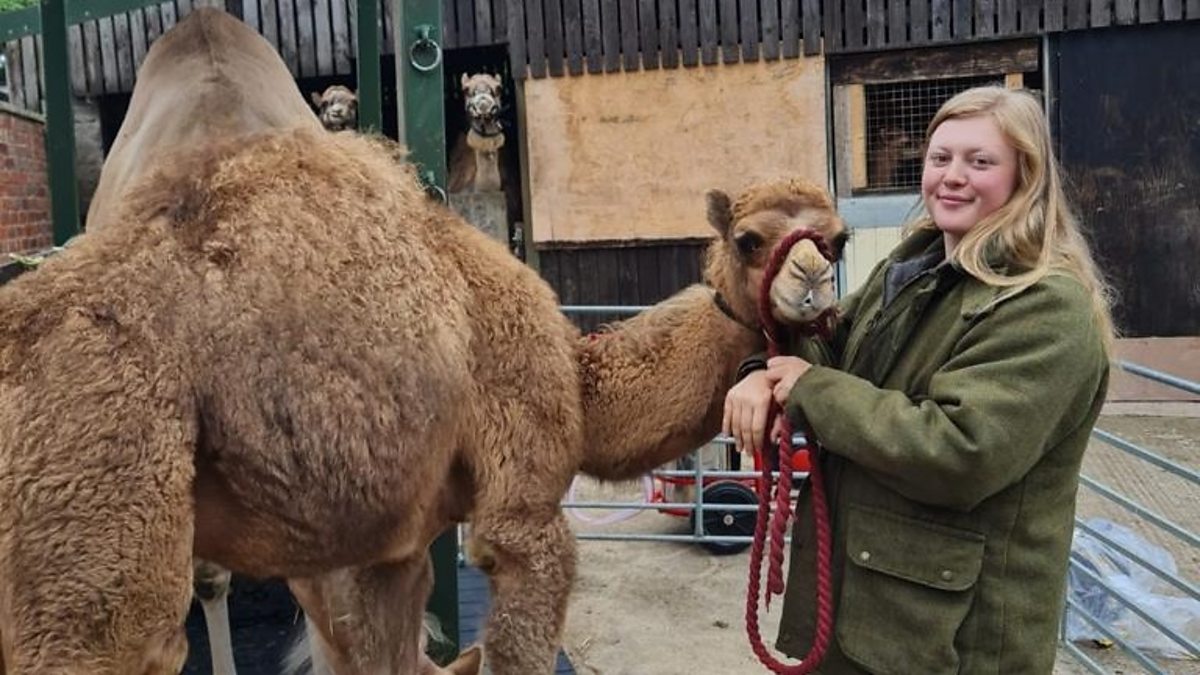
{"x": 337, "y": 107}
{"x": 481, "y": 99}
{"x": 748, "y": 229}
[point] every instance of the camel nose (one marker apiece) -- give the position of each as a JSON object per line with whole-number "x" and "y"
{"x": 808, "y": 300}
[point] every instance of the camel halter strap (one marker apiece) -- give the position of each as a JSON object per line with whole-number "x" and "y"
{"x": 782, "y": 497}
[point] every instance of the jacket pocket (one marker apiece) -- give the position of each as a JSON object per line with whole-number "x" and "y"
{"x": 908, "y": 587}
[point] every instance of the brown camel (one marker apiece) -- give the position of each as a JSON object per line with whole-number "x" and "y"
{"x": 475, "y": 157}
{"x": 653, "y": 387}
{"x": 287, "y": 361}
{"x": 337, "y": 107}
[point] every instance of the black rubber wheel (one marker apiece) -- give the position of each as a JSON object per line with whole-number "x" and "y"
{"x": 720, "y": 522}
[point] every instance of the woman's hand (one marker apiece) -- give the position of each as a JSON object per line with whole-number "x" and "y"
{"x": 746, "y": 408}
{"x": 782, "y": 373}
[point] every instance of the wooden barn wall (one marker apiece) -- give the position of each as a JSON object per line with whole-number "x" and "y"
{"x": 620, "y": 275}
{"x": 1130, "y": 143}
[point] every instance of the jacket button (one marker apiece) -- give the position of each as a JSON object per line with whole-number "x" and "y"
{"x": 947, "y": 575}
{"x": 864, "y": 556}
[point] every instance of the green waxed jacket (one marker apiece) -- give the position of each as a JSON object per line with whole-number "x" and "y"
{"x": 954, "y": 425}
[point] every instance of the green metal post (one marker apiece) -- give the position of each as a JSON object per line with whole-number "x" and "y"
{"x": 370, "y": 93}
{"x": 60, "y": 122}
{"x": 420, "y": 113}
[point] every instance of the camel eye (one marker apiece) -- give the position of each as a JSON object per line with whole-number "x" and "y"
{"x": 748, "y": 243}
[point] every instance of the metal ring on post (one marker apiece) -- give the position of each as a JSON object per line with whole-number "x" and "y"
{"x": 425, "y": 42}
{"x": 436, "y": 192}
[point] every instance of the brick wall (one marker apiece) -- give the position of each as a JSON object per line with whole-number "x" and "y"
{"x": 24, "y": 195}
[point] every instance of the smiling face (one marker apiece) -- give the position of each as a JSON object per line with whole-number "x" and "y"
{"x": 970, "y": 172}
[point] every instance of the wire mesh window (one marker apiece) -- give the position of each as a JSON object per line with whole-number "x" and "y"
{"x": 896, "y": 116}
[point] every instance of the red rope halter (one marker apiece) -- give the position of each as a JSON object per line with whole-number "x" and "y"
{"x": 782, "y": 496}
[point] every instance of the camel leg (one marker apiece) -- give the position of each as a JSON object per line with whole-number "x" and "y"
{"x": 210, "y": 585}
{"x": 529, "y": 557}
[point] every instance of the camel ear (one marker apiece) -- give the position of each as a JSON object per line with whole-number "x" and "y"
{"x": 463, "y": 83}
{"x": 316, "y": 98}
{"x": 838, "y": 245}
{"x": 720, "y": 212}
{"x": 469, "y": 662}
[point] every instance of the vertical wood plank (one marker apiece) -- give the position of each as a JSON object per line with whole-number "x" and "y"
{"x": 962, "y": 12}
{"x": 648, "y": 33}
{"x": 834, "y": 20}
{"x": 1172, "y": 10}
{"x": 535, "y": 43}
{"x": 985, "y": 17}
{"x": 876, "y": 23}
{"x": 668, "y": 34}
{"x": 629, "y": 34}
{"x": 91, "y": 58}
{"x": 499, "y": 20}
{"x": 572, "y": 26}
{"x": 1193, "y": 9}
{"x": 748, "y": 23}
{"x": 790, "y": 28}
{"x": 16, "y": 74}
{"x": 810, "y": 26}
{"x": 918, "y": 21}
{"x": 897, "y": 23}
{"x": 137, "y": 37}
{"x": 124, "y": 51}
{"x": 108, "y": 56}
{"x": 1006, "y": 17}
{"x": 483, "y": 22}
{"x": 75, "y": 53}
{"x": 1077, "y": 14}
{"x": 339, "y": 18}
{"x": 769, "y": 28}
{"x": 940, "y": 20}
{"x": 516, "y": 42}
{"x": 610, "y": 27}
{"x": 449, "y": 24}
{"x": 305, "y": 40}
{"x": 1149, "y": 11}
{"x": 593, "y": 42}
{"x": 466, "y": 23}
{"x": 709, "y": 35}
{"x": 1126, "y": 11}
{"x": 323, "y": 31}
{"x": 856, "y": 24}
{"x": 182, "y": 8}
{"x": 1029, "y": 16}
{"x": 689, "y": 33}
{"x": 647, "y": 273}
{"x": 169, "y": 16}
{"x": 250, "y": 15}
{"x": 287, "y": 36}
{"x": 153, "y": 24}
{"x": 553, "y": 17}
{"x": 1052, "y": 16}
{"x": 29, "y": 75}
{"x": 729, "y": 31}
{"x": 269, "y": 18}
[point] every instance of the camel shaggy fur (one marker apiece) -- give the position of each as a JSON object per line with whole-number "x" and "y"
{"x": 288, "y": 361}
{"x": 475, "y": 157}
{"x": 337, "y": 107}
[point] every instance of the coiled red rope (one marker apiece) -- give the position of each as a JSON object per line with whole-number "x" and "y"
{"x": 776, "y": 528}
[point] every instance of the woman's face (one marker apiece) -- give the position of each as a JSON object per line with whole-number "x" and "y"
{"x": 970, "y": 171}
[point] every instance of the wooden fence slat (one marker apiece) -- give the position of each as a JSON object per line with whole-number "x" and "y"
{"x": 629, "y": 34}
{"x": 516, "y": 39}
{"x": 552, "y": 15}
{"x": 483, "y": 22}
{"x": 1172, "y": 10}
{"x": 985, "y": 17}
{"x": 169, "y": 16}
{"x": 16, "y": 74}
{"x": 1006, "y": 17}
{"x": 1126, "y": 12}
{"x": 810, "y": 26}
{"x": 323, "y": 29}
{"x": 1052, "y": 16}
{"x": 124, "y": 51}
{"x": 729, "y": 31}
{"x": 897, "y": 23}
{"x": 1148, "y": 11}
{"x": 941, "y": 20}
{"x": 75, "y": 55}
{"x": 593, "y": 41}
{"x": 183, "y": 8}
{"x": 833, "y": 18}
{"x": 1029, "y": 16}
{"x": 1077, "y": 14}
{"x": 689, "y": 33}
{"x": 305, "y": 40}
{"x": 790, "y": 28}
{"x": 108, "y": 56}
{"x": 137, "y": 37}
{"x": 610, "y": 34}
{"x": 31, "y": 65}
{"x": 918, "y": 21}
{"x": 856, "y": 24}
{"x": 449, "y": 25}
{"x": 876, "y": 23}
{"x": 269, "y": 22}
{"x": 340, "y": 27}
{"x": 499, "y": 20}
{"x": 287, "y": 36}
{"x": 709, "y": 35}
{"x": 386, "y": 29}
{"x": 91, "y": 58}
{"x": 535, "y": 44}
{"x": 668, "y": 34}
{"x": 648, "y": 28}
{"x": 572, "y": 23}
{"x": 962, "y": 11}
{"x": 153, "y": 24}
{"x": 769, "y": 28}
{"x": 250, "y": 15}
{"x": 466, "y": 23}
{"x": 748, "y": 29}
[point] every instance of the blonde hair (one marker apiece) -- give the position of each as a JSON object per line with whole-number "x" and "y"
{"x": 1035, "y": 233}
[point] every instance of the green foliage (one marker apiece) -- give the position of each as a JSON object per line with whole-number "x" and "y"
{"x": 9, "y": 5}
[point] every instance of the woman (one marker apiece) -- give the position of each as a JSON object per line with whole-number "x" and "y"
{"x": 955, "y": 401}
